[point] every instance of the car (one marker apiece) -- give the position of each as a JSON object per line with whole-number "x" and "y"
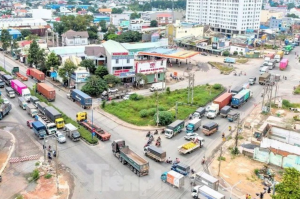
{"x": 29, "y": 123}
{"x": 5, "y": 101}
{"x": 190, "y": 136}
{"x": 61, "y": 138}
{"x": 112, "y": 90}
{"x": 204, "y": 54}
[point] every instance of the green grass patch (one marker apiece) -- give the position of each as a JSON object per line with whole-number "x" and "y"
{"x": 224, "y": 69}
{"x": 242, "y": 60}
{"x": 48, "y": 176}
{"x": 221, "y": 158}
{"x": 2, "y": 69}
{"x": 287, "y": 104}
{"x": 297, "y": 90}
{"x": 141, "y": 112}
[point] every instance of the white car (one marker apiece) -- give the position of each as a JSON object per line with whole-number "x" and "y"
{"x": 5, "y": 101}
{"x": 190, "y": 136}
{"x": 61, "y": 138}
{"x": 112, "y": 90}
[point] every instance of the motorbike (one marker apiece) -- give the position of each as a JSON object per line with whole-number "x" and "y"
{"x": 203, "y": 161}
{"x": 169, "y": 161}
{"x": 156, "y": 132}
{"x": 162, "y": 131}
{"x": 234, "y": 73}
{"x": 148, "y": 134}
{"x": 157, "y": 144}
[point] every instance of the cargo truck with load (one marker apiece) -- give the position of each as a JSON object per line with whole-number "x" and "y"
{"x": 236, "y": 90}
{"x": 4, "y": 110}
{"x": 232, "y": 116}
{"x": 36, "y": 74}
{"x": 72, "y": 132}
{"x": 155, "y": 153}
{"x": 218, "y": 104}
{"x": 22, "y": 103}
{"x": 47, "y": 91}
{"x": 41, "y": 107}
{"x": 279, "y": 56}
{"x": 241, "y": 98}
{"x": 193, "y": 125}
{"x": 173, "y": 178}
{"x": 157, "y": 86}
{"x": 224, "y": 111}
{"x": 283, "y": 64}
{"x": 264, "y": 78}
{"x": 210, "y": 128}
{"x": 191, "y": 146}
{"x": 199, "y": 113}
{"x": 114, "y": 95}
{"x": 54, "y": 116}
{"x": 203, "y": 191}
{"x": 136, "y": 163}
{"x": 84, "y": 100}
{"x": 269, "y": 56}
{"x": 174, "y": 128}
{"x": 31, "y": 110}
{"x": 181, "y": 168}
{"x": 7, "y": 79}
{"x": 21, "y": 89}
{"x": 39, "y": 129}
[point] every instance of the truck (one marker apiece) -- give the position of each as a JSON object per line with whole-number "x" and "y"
{"x": 264, "y": 78}
{"x": 181, "y": 168}
{"x": 193, "y": 125}
{"x": 213, "y": 111}
{"x": 50, "y": 126}
{"x": 269, "y": 56}
{"x": 7, "y": 79}
{"x": 283, "y": 64}
{"x": 21, "y": 89}
{"x": 271, "y": 64}
{"x": 47, "y": 91}
{"x": 114, "y": 95}
{"x": 224, "y": 111}
{"x": 191, "y": 146}
{"x": 252, "y": 80}
{"x": 157, "y": 86}
{"x": 54, "y": 116}
{"x": 232, "y": 116}
{"x": 155, "y": 153}
{"x": 22, "y": 103}
{"x": 210, "y": 128}
{"x": 202, "y": 178}
{"x": 36, "y": 74}
{"x": 16, "y": 71}
{"x": 236, "y": 90}
{"x": 10, "y": 92}
{"x": 72, "y": 132}
{"x": 199, "y": 113}
{"x": 288, "y": 49}
{"x": 34, "y": 100}
{"x": 81, "y": 118}
{"x": 39, "y": 129}
{"x": 279, "y": 56}
{"x": 203, "y": 191}
{"x": 31, "y": 110}
{"x": 173, "y": 178}
{"x": 41, "y": 107}
{"x": 241, "y": 98}
{"x": 229, "y": 60}
{"x": 221, "y": 101}
{"x": 126, "y": 156}
{"x": 174, "y": 128}
{"x": 4, "y": 110}
{"x": 84, "y": 100}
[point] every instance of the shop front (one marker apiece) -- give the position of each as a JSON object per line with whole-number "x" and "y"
{"x": 153, "y": 69}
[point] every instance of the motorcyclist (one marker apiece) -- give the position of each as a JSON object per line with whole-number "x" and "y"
{"x": 162, "y": 131}
{"x": 169, "y": 160}
{"x": 223, "y": 135}
{"x": 192, "y": 171}
{"x": 148, "y": 134}
{"x": 177, "y": 160}
{"x": 158, "y": 139}
{"x": 156, "y": 132}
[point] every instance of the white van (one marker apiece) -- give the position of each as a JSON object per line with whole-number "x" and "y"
{"x": 263, "y": 70}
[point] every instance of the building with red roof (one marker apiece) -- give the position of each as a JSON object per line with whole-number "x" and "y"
{"x": 164, "y": 19}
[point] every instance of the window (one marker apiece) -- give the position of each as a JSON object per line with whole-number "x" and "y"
{"x": 158, "y": 75}
{"x": 117, "y": 61}
{"x": 128, "y": 61}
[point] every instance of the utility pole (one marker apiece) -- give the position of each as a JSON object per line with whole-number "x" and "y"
{"x": 237, "y": 135}
{"x": 56, "y": 167}
{"x": 176, "y": 109}
{"x": 191, "y": 83}
{"x": 220, "y": 159}
{"x": 157, "y": 114}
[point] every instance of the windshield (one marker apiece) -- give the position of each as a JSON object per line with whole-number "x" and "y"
{"x": 60, "y": 122}
{"x": 42, "y": 132}
{"x": 76, "y": 134}
{"x": 212, "y": 111}
{"x": 60, "y": 136}
{"x": 196, "y": 114}
{"x": 27, "y": 95}
{"x": 168, "y": 131}
{"x": 189, "y": 127}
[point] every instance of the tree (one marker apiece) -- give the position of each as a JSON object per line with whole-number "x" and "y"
{"x": 25, "y": 33}
{"x": 32, "y": 37}
{"x": 78, "y": 9}
{"x": 94, "y": 86}
{"x": 153, "y": 23}
{"x": 112, "y": 37}
{"x": 92, "y": 31}
{"x": 89, "y": 65}
{"x": 165, "y": 117}
{"x": 140, "y": 78}
{"x": 147, "y": 7}
{"x": 290, "y": 6}
{"x": 289, "y": 187}
{"x": 116, "y": 11}
{"x": 33, "y": 53}
{"x": 5, "y": 39}
{"x": 52, "y": 61}
{"x": 78, "y": 23}
{"x": 92, "y": 9}
{"x": 292, "y": 15}
{"x": 226, "y": 53}
{"x": 58, "y": 27}
{"x": 112, "y": 80}
{"x": 111, "y": 29}
{"x": 135, "y": 15}
{"x": 101, "y": 71}
{"x": 66, "y": 71}
{"x": 41, "y": 63}
{"x": 102, "y": 24}
{"x": 235, "y": 53}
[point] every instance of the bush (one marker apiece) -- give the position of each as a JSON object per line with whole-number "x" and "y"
{"x": 235, "y": 53}
{"x": 37, "y": 164}
{"x": 286, "y": 103}
{"x": 221, "y": 158}
{"x": 48, "y": 176}
{"x": 168, "y": 90}
{"x": 235, "y": 151}
{"x": 165, "y": 118}
{"x": 151, "y": 111}
{"x": 217, "y": 86}
{"x": 143, "y": 113}
{"x": 113, "y": 103}
{"x": 103, "y": 104}
{"x": 135, "y": 97}
{"x": 35, "y": 175}
{"x": 256, "y": 171}
{"x": 226, "y": 53}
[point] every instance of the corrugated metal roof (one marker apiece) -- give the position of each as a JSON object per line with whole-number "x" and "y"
{"x": 113, "y": 46}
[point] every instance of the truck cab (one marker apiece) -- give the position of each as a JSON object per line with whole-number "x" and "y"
{"x": 213, "y": 111}
{"x": 200, "y": 112}
{"x": 174, "y": 128}
{"x": 252, "y": 80}
{"x": 203, "y": 191}
{"x": 72, "y": 132}
{"x": 34, "y": 100}
{"x": 233, "y": 116}
{"x": 39, "y": 129}
{"x": 181, "y": 168}
{"x": 51, "y": 128}
{"x": 193, "y": 125}
{"x": 81, "y": 116}
{"x": 22, "y": 103}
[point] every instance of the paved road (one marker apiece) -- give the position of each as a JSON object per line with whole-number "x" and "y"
{"x": 98, "y": 174}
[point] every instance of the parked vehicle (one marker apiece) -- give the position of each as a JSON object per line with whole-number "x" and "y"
{"x": 41, "y": 107}
{"x": 288, "y": 49}
{"x": 283, "y": 64}
{"x": 39, "y": 129}
{"x": 174, "y": 128}
{"x": 199, "y": 113}
{"x": 203, "y": 191}
{"x": 279, "y": 56}
{"x": 210, "y": 128}
{"x": 54, "y": 116}
{"x": 10, "y": 92}
{"x": 35, "y": 74}
{"x": 21, "y": 89}
{"x": 155, "y": 153}
{"x": 191, "y": 146}
{"x": 193, "y": 125}
{"x": 229, "y": 60}
{"x": 31, "y": 110}
{"x": 84, "y": 100}
{"x": 252, "y": 80}
{"x": 47, "y": 91}
{"x": 72, "y": 132}
{"x": 173, "y": 178}
{"x": 16, "y": 71}
{"x": 2, "y": 83}
{"x": 264, "y": 78}
{"x": 34, "y": 100}
{"x": 81, "y": 118}
{"x": 232, "y": 116}
{"x": 236, "y": 90}
{"x": 224, "y": 111}
{"x": 4, "y": 110}
{"x": 269, "y": 56}
{"x": 241, "y": 98}
{"x": 136, "y": 163}
{"x": 157, "y": 86}
{"x": 263, "y": 70}
{"x": 202, "y": 178}
{"x": 61, "y": 138}
{"x": 22, "y": 103}
{"x": 181, "y": 168}
{"x": 7, "y": 79}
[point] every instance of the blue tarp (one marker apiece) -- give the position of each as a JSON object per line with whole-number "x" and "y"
{"x": 262, "y": 27}
{"x": 53, "y": 74}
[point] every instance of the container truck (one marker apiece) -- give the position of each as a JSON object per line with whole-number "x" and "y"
{"x": 203, "y": 191}
{"x": 47, "y": 91}
{"x": 269, "y": 56}
{"x": 241, "y": 98}
{"x": 22, "y": 103}
{"x": 191, "y": 146}
{"x": 7, "y": 79}
{"x": 16, "y": 71}
{"x": 283, "y": 64}
{"x": 279, "y": 56}
{"x": 173, "y": 178}
{"x": 157, "y": 86}
{"x": 72, "y": 132}
{"x": 174, "y": 128}
{"x": 224, "y": 111}
{"x": 21, "y": 89}
{"x": 4, "y": 110}
{"x": 229, "y": 60}
{"x": 181, "y": 168}
{"x": 193, "y": 125}
{"x": 202, "y": 178}
{"x": 218, "y": 104}
{"x": 199, "y": 113}
{"x": 210, "y": 128}
{"x": 41, "y": 107}
{"x": 264, "y": 78}
{"x": 155, "y": 153}
{"x": 36, "y": 74}
{"x": 31, "y": 110}
{"x": 39, "y": 129}
{"x": 136, "y": 163}
{"x": 84, "y": 100}
{"x": 54, "y": 116}
{"x": 236, "y": 90}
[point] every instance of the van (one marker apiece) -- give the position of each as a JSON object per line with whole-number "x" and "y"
{"x": 10, "y": 92}
{"x": 264, "y": 70}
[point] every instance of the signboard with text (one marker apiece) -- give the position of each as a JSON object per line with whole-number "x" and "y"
{"x": 158, "y": 66}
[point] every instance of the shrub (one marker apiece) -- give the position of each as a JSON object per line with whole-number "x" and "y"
{"x": 37, "y": 164}
{"x": 103, "y": 104}
{"x": 168, "y": 90}
{"x": 235, "y": 151}
{"x": 35, "y": 175}
{"x": 286, "y": 103}
{"x": 48, "y": 176}
{"x": 221, "y": 158}
{"x": 226, "y": 53}
{"x": 151, "y": 111}
{"x": 143, "y": 113}
{"x": 217, "y": 86}
{"x": 235, "y": 53}
{"x": 256, "y": 171}
{"x": 113, "y": 103}
{"x": 241, "y": 53}
{"x": 165, "y": 117}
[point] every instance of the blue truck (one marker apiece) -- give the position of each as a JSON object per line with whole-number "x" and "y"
{"x": 39, "y": 129}
{"x": 241, "y": 98}
{"x": 229, "y": 60}
{"x": 181, "y": 168}
{"x": 4, "y": 110}
{"x": 80, "y": 97}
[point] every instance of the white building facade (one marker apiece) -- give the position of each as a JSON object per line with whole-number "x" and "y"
{"x": 225, "y": 16}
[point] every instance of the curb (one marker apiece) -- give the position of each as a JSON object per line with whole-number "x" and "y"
{"x": 88, "y": 142}
{"x": 10, "y": 153}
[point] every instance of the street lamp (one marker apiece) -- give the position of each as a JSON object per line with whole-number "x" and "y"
{"x": 234, "y": 186}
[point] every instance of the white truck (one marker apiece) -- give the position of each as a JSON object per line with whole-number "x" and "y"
{"x": 31, "y": 110}
{"x": 213, "y": 111}
{"x": 157, "y": 86}
{"x": 72, "y": 132}
{"x": 203, "y": 191}
{"x": 50, "y": 127}
{"x": 191, "y": 146}
{"x": 193, "y": 125}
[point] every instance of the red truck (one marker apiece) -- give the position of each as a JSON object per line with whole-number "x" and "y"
{"x": 223, "y": 100}
{"x": 47, "y": 91}
{"x": 36, "y": 74}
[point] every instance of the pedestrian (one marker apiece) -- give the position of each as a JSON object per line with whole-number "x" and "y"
{"x": 49, "y": 148}
{"x": 247, "y": 196}
{"x": 223, "y": 135}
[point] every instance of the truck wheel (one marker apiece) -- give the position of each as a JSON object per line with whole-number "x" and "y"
{"x": 120, "y": 159}
{"x": 131, "y": 168}
{"x": 135, "y": 171}
{"x": 73, "y": 100}
{"x": 138, "y": 173}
